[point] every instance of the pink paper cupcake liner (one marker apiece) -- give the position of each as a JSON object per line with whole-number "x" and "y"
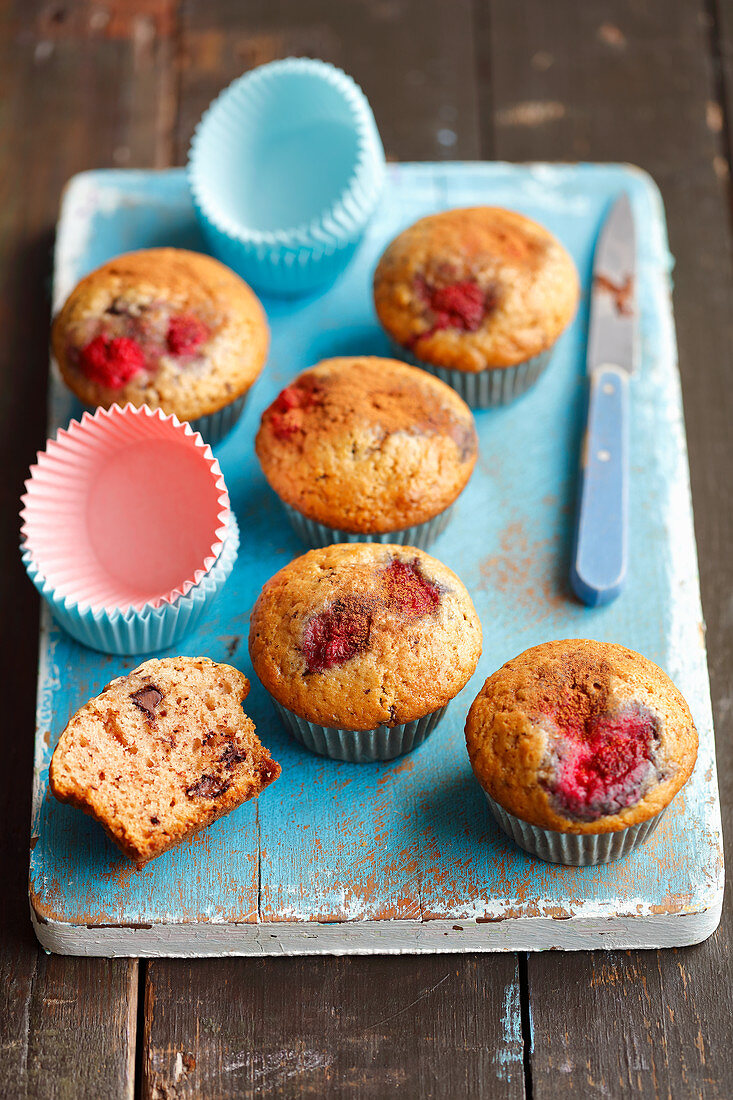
{"x": 126, "y": 512}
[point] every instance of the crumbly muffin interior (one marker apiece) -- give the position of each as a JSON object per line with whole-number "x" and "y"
{"x": 161, "y": 753}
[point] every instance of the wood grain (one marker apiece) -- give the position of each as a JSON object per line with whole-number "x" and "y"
{"x": 636, "y": 83}
{"x": 363, "y": 1028}
{"x": 76, "y": 92}
{"x": 413, "y": 58}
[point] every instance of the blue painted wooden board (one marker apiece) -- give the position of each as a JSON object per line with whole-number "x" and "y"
{"x": 404, "y": 856}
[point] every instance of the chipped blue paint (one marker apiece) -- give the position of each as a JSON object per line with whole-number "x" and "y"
{"x": 509, "y": 1056}
{"x": 411, "y": 839}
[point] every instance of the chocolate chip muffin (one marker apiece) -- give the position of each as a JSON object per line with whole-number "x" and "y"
{"x": 580, "y": 746}
{"x": 477, "y": 297}
{"x": 363, "y": 646}
{"x": 162, "y": 753}
{"x": 365, "y": 449}
{"x": 167, "y": 328}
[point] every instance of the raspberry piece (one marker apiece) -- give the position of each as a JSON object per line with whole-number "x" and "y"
{"x": 284, "y": 412}
{"x": 185, "y": 333}
{"x": 408, "y": 591}
{"x": 608, "y": 765}
{"x": 111, "y": 363}
{"x": 337, "y": 634}
{"x": 458, "y": 305}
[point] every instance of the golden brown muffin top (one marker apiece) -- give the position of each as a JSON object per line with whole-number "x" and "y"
{"x": 476, "y": 288}
{"x": 360, "y": 635}
{"x": 367, "y": 445}
{"x": 161, "y": 753}
{"x": 581, "y": 737}
{"x": 163, "y": 327}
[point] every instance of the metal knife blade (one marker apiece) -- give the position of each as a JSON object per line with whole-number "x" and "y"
{"x": 612, "y": 336}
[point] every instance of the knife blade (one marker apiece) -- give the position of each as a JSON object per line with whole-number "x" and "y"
{"x": 601, "y": 537}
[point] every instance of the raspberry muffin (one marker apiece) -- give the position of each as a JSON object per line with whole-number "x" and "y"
{"x": 367, "y": 450}
{"x": 477, "y": 297}
{"x": 580, "y": 746}
{"x": 166, "y": 328}
{"x": 363, "y": 646}
{"x": 162, "y": 753}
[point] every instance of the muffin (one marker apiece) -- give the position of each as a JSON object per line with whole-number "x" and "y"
{"x": 365, "y": 449}
{"x": 362, "y": 647}
{"x": 162, "y": 753}
{"x": 165, "y": 328}
{"x": 580, "y": 746}
{"x": 477, "y": 297}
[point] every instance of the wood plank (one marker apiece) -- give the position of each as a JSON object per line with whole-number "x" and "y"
{"x": 636, "y": 83}
{"x": 362, "y": 1028}
{"x": 76, "y": 85}
{"x": 413, "y": 58}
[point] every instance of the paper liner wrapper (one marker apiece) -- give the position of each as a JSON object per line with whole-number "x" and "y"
{"x": 484, "y": 389}
{"x": 314, "y": 534}
{"x": 286, "y": 168}
{"x": 360, "y": 746}
{"x": 125, "y": 517}
{"x": 573, "y": 849}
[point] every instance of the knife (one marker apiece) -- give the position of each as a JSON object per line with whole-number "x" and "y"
{"x": 601, "y": 537}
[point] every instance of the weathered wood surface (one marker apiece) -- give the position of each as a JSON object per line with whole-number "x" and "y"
{"x": 87, "y": 85}
{"x": 368, "y": 1028}
{"x": 635, "y": 82}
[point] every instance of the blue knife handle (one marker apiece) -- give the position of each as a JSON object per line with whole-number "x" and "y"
{"x": 599, "y": 557}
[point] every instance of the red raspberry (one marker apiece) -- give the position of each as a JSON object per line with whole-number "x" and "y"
{"x": 606, "y": 766}
{"x": 285, "y": 419}
{"x": 111, "y": 363}
{"x": 408, "y": 591}
{"x": 185, "y": 333}
{"x": 461, "y": 305}
{"x": 337, "y": 634}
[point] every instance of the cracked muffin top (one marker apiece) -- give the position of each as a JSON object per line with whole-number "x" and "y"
{"x": 474, "y": 289}
{"x": 581, "y": 737}
{"x": 367, "y": 445}
{"x": 359, "y": 635}
{"x": 161, "y": 753}
{"x": 162, "y": 327}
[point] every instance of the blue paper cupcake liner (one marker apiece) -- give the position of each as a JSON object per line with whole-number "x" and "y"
{"x": 573, "y": 849}
{"x": 152, "y": 628}
{"x": 287, "y": 260}
{"x": 485, "y": 389}
{"x": 422, "y": 535}
{"x": 360, "y": 746}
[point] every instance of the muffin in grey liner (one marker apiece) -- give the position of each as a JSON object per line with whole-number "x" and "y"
{"x": 316, "y": 534}
{"x": 217, "y": 425}
{"x": 573, "y": 849}
{"x": 360, "y": 746}
{"x": 484, "y": 389}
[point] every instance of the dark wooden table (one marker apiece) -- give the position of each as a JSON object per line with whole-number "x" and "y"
{"x": 122, "y": 82}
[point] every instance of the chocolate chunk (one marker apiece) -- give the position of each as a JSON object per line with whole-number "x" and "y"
{"x": 147, "y": 699}
{"x": 232, "y": 755}
{"x": 208, "y": 786}
{"x": 155, "y": 821}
